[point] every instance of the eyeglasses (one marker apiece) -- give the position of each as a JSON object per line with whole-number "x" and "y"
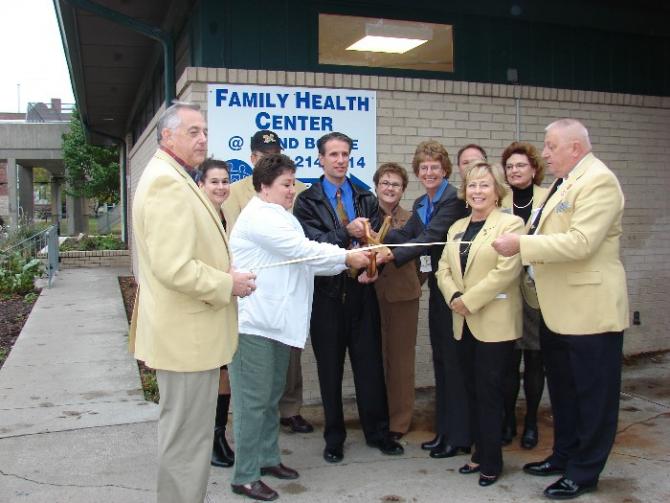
{"x": 518, "y": 165}
{"x": 433, "y": 167}
{"x": 390, "y": 185}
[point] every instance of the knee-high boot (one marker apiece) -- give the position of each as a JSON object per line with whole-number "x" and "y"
{"x": 222, "y": 454}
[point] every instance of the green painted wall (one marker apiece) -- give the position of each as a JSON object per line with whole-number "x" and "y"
{"x": 613, "y": 46}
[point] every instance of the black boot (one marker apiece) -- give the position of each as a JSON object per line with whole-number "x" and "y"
{"x": 222, "y": 454}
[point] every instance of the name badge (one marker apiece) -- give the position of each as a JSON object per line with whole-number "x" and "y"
{"x": 501, "y": 296}
{"x": 425, "y": 264}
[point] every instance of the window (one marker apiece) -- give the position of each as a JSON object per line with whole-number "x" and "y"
{"x": 385, "y": 43}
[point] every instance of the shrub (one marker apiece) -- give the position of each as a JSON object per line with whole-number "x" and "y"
{"x": 17, "y": 274}
{"x": 90, "y": 243}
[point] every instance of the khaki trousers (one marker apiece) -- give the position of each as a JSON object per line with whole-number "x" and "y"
{"x": 291, "y": 401}
{"x": 185, "y": 434}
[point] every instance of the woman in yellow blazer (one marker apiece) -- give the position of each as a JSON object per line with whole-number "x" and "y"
{"x": 524, "y": 171}
{"x": 482, "y": 289}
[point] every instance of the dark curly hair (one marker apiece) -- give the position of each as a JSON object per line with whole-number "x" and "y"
{"x": 534, "y": 158}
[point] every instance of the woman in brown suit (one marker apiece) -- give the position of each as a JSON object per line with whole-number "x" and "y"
{"x": 398, "y": 293}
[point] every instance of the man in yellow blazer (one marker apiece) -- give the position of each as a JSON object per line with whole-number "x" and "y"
{"x": 262, "y": 143}
{"x": 185, "y": 318}
{"x": 573, "y": 252}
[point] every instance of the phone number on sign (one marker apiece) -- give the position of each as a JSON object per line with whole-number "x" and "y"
{"x": 309, "y": 162}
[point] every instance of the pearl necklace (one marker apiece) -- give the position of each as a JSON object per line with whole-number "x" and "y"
{"x": 524, "y": 206}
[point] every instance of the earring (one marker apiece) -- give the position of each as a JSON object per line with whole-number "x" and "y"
{"x": 466, "y": 205}
{"x": 497, "y": 202}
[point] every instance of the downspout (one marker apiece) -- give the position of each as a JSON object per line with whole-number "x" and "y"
{"x": 152, "y": 32}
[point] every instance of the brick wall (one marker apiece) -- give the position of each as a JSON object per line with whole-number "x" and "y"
{"x": 99, "y": 258}
{"x": 630, "y": 133}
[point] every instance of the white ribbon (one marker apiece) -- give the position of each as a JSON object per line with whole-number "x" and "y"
{"x": 355, "y": 250}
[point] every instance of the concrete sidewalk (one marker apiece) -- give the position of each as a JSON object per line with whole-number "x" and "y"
{"x": 74, "y": 426}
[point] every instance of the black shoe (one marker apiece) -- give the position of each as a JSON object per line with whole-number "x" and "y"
{"x": 487, "y": 480}
{"x": 448, "y": 451}
{"x": 387, "y": 446}
{"x": 431, "y": 444}
{"x": 298, "y": 424}
{"x": 395, "y": 435}
{"x": 333, "y": 454}
{"x": 566, "y": 489}
{"x": 542, "y": 469}
{"x": 529, "y": 437}
{"x": 508, "y": 434}
{"x": 467, "y": 469}
{"x": 222, "y": 454}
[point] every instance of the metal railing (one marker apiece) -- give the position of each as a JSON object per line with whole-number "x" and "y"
{"x": 42, "y": 245}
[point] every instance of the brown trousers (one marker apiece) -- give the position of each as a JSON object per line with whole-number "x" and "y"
{"x": 399, "y": 327}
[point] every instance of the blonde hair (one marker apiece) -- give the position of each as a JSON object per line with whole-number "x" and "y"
{"x": 480, "y": 169}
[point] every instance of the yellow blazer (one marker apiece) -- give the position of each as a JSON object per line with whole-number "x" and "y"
{"x": 185, "y": 316}
{"x": 241, "y": 192}
{"x": 490, "y": 285}
{"x": 527, "y": 284}
{"x": 579, "y": 277}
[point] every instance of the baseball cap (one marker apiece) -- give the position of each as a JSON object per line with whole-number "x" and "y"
{"x": 265, "y": 141}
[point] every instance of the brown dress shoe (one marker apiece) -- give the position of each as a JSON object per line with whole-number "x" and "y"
{"x": 256, "y": 491}
{"x": 280, "y": 471}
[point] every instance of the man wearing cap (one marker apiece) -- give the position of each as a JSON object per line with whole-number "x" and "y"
{"x": 241, "y": 192}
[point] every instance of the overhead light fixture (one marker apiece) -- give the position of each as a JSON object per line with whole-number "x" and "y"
{"x": 392, "y": 38}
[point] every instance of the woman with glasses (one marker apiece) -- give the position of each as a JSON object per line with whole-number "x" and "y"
{"x": 524, "y": 171}
{"x": 398, "y": 292}
{"x": 432, "y": 215}
{"x": 482, "y": 288}
{"x": 214, "y": 180}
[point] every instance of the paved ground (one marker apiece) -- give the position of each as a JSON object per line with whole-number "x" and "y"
{"x": 74, "y": 427}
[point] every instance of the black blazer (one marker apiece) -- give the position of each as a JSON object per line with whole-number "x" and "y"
{"x": 447, "y": 210}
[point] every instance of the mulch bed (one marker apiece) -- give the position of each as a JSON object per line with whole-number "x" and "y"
{"x": 14, "y": 311}
{"x": 128, "y": 292}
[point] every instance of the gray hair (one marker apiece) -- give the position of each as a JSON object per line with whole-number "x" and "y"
{"x": 575, "y": 130}
{"x": 170, "y": 118}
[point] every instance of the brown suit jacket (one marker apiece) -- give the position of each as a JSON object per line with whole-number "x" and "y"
{"x": 397, "y": 284}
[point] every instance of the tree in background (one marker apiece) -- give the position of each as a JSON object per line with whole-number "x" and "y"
{"x": 90, "y": 171}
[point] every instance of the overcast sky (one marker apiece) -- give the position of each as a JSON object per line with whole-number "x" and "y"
{"x": 31, "y": 55}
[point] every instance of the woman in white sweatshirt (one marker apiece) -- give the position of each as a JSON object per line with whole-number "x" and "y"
{"x": 272, "y": 319}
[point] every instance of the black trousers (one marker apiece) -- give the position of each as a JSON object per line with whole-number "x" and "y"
{"x": 451, "y": 410}
{"x": 484, "y": 366}
{"x": 353, "y": 325}
{"x": 584, "y": 381}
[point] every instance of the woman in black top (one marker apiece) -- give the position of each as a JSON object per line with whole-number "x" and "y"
{"x": 524, "y": 171}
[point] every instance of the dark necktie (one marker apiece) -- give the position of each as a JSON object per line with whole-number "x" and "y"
{"x": 339, "y": 209}
{"x": 536, "y": 222}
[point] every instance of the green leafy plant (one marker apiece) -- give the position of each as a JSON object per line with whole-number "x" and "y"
{"x": 17, "y": 274}
{"x": 30, "y": 297}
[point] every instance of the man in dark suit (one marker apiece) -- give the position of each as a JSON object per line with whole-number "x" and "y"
{"x": 345, "y": 313}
